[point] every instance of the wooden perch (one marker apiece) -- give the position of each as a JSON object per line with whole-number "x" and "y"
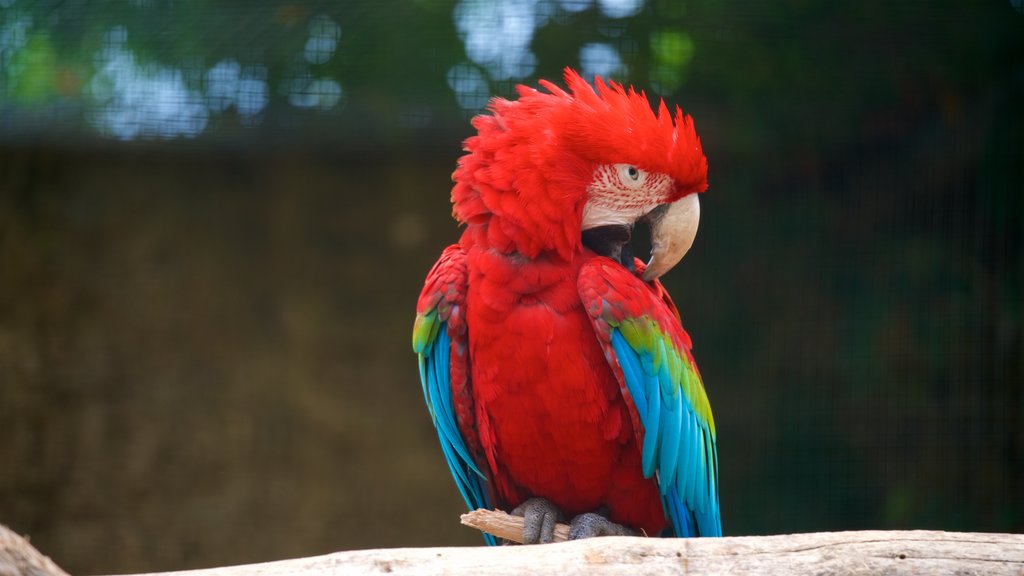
{"x": 842, "y": 553}
{"x": 505, "y": 525}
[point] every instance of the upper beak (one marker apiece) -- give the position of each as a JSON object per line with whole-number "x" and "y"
{"x": 673, "y": 228}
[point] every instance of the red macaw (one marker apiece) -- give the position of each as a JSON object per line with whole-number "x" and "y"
{"x": 554, "y": 364}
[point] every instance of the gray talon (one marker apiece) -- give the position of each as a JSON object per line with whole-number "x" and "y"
{"x": 540, "y": 516}
{"x": 591, "y": 524}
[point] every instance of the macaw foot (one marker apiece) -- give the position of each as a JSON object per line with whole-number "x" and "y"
{"x": 540, "y": 516}
{"x": 593, "y": 524}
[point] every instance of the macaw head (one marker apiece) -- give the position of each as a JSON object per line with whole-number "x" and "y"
{"x": 559, "y": 170}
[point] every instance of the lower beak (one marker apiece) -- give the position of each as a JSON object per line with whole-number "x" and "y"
{"x": 673, "y": 228}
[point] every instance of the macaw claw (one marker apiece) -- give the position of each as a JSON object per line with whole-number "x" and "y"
{"x": 540, "y": 517}
{"x": 592, "y": 524}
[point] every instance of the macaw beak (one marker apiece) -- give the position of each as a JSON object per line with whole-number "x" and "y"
{"x": 673, "y": 228}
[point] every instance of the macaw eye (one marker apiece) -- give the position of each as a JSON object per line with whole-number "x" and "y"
{"x": 630, "y": 175}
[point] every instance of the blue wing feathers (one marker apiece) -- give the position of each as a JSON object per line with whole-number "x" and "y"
{"x": 683, "y": 521}
{"x": 435, "y": 374}
{"x": 672, "y": 416}
{"x": 671, "y": 435}
{"x": 631, "y": 371}
{"x": 714, "y": 486}
{"x": 652, "y": 425}
{"x": 442, "y": 394}
{"x": 441, "y": 399}
{"x": 423, "y": 383}
{"x": 677, "y": 446}
{"x": 688, "y": 461}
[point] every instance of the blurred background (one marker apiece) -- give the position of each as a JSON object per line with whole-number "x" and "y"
{"x": 216, "y": 216}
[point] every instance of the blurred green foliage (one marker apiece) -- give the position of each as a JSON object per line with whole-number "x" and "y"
{"x": 215, "y": 219}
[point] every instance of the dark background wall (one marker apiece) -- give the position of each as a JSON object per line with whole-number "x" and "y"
{"x": 205, "y": 325}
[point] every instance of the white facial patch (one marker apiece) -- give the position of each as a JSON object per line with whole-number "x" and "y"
{"x": 620, "y": 194}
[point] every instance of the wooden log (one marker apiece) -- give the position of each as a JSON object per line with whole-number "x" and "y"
{"x": 840, "y": 553}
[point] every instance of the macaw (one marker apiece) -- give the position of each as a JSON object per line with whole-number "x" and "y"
{"x": 553, "y": 363}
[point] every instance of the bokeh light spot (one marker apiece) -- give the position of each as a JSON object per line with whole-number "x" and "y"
{"x": 141, "y": 100}
{"x": 672, "y": 51}
{"x": 470, "y": 87}
{"x": 324, "y": 34}
{"x": 620, "y": 8}
{"x": 497, "y": 34}
{"x": 601, "y": 59}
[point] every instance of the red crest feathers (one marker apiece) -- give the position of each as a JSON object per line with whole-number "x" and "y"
{"x": 532, "y": 159}
{"x": 613, "y": 124}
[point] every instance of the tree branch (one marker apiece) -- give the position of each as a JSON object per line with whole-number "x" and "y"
{"x": 505, "y": 525}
